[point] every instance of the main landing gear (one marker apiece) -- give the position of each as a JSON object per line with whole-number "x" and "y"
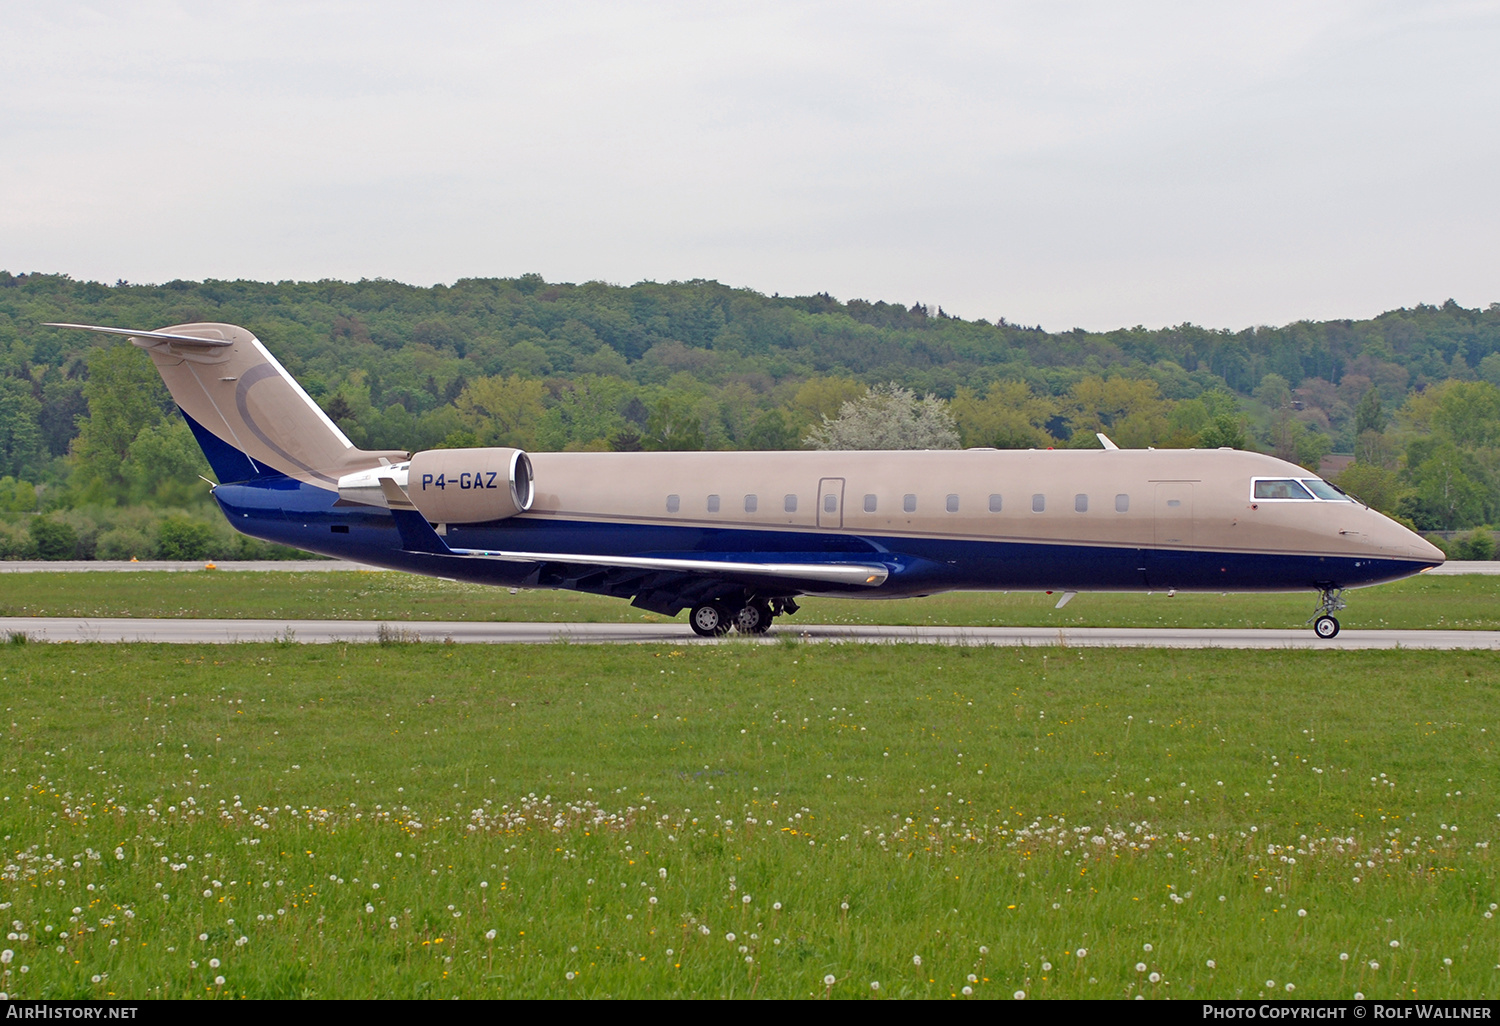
{"x": 1324, "y": 624}
{"x": 714, "y": 619}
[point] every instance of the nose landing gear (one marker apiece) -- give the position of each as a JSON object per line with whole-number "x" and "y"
{"x": 1324, "y": 623}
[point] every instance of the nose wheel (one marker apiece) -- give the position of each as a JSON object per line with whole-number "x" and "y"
{"x": 1325, "y": 625}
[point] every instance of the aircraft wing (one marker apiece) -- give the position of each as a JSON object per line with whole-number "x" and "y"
{"x": 417, "y": 535}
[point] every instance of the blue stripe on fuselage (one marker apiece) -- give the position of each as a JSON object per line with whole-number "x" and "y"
{"x": 287, "y": 511}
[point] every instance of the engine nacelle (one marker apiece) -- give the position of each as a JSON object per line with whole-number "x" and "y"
{"x": 452, "y": 486}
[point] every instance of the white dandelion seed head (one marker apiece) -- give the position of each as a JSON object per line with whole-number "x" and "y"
{"x": 983, "y": 950}
{"x": 1046, "y": 967}
{"x": 662, "y": 872}
{"x": 1019, "y": 995}
{"x": 213, "y": 963}
{"x": 1395, "y": 944}
{"x": 1082, "y": 952}
{"x": 829, "y": 981}
{"x": 916, "y": 960}
{"x": 571, "y": 974}
{"x": 1140, "y": 967}
{"x": 1343, "y": 956}
{"x": 1146, "y": 948}
{"x": 1358, "y": 996}
{"x": 1302, "y": 913}
{"x": 967, "y": 991}
{"x": 488, "y": 934}
{"x": 1374, "y": 964}
{"x": 1290, "y": 987}
{"x": 218, "y": 981}
{"x": 776, "y": 906}
{"x": 745, "y": 900}
{"x": 6, "y": 956}
{"x": 1211, "y": 964}
{"x": 1154, "y": 977}
{"x": 203, "y": 936}
{"x": 1270, "y": 984}
{"x": 729, "y": 937}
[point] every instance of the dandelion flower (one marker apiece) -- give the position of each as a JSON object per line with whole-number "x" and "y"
{"x": 729, "y": 937}
{"x": 776, "y": 906}
{"x": 1302, "y": 913}
{"x": 1146, "y": 948}
{"x": 1343, "y": 956}
{"x": 916, "y": 960}
{"x": 829, "y": 981}
{"x": 1290, "y": 987}
{"x": 218, "y": 981}
{"x": 1395, "y": 944}
{"x": 571, "y": 974}
{"x": 874, "y": 984}
{"x": 1270, "y": 984}
{"x": 6, "y": 956}
{"x": 1211, "y": 964}
{"x": 1140, "y": 967}
{"x": 983, "y": 950}
{"x": 746, "y": 900}
{"x": 203, "y": 936}
{"x": 1019, "y": 995}
{"x": 967, "y": 991}
{"x": 1154, "y": 977}
{"x": 1358, "y": 996}
{"x": 213, "y": 963}
{"x": 973, "y": 978}
{"x": 489, "y": 935}
{"x": 1082, "y": 952}
{"x": 1374, "y": 964}
{"x": 1046, "y": 967}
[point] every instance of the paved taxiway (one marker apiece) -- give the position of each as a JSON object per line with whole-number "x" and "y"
{"x": 108, "y": 629}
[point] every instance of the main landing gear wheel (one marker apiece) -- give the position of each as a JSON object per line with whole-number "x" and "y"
{"x": 710, "y": 620}
{"x": 753, "y": 618}
{"x": 1326, "y": 627}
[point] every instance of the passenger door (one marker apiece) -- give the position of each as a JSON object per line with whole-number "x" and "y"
{"x": 1171, "y": 561}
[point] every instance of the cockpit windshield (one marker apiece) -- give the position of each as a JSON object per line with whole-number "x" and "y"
{"x": 1323, "y": 490}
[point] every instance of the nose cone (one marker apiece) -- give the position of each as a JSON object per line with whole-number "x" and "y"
{"x": 1427, "y": 552}
{"x": 1393, "y": 539}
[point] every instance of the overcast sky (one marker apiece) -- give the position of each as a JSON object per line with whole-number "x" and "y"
{"x": 1069, "y": 164}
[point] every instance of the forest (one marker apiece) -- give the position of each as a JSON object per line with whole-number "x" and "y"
{"x": 1402, "y": 409}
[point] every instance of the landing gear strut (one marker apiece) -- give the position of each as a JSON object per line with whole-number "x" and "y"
{"x": 1324, "y": 624}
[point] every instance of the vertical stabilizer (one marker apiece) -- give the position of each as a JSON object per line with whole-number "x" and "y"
{"x": 249, "y": 415}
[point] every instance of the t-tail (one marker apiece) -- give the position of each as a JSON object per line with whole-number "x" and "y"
{"x": 250, "y": 416}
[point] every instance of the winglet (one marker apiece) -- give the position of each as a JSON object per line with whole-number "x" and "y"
{"x": 417, "y": 534}
{"x": 1104, "y": 440}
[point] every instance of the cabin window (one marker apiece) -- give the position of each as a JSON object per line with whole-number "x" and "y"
{"x": 994, "y": 504}
{"x": 830, "y": 504}
{"x": 1122, "y": 504}
{"x": 909, "y": 503}
{"x": 869, "y": 504}
{"x": 1323, "y": 490}
{"x": 340, "y": 529}
{"x": 1280, "y": 490}
{"x": 952, "y": 504}
{"x": 1080, "y": 504}
{"x": 751, "y": 503}
{"x": 713, "y": 504}
{"x": 789, "y": 504}
{"x": 1038, "y": 503}
{"x": 674, "y": 503}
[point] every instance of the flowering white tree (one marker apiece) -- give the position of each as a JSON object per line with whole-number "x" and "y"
{"x": 888, "y": 417}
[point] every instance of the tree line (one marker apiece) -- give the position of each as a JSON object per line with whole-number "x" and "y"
{"x": 89, "y": 440}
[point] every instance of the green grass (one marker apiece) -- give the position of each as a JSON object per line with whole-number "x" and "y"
{"x": 990, "y": 811}
{"x": 1454, "y": 602}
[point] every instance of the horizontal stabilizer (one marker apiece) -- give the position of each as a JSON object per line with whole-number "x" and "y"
{"x": 160, "y": 336}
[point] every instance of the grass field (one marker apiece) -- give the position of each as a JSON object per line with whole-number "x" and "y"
{"x": 417, "y": 820}
{"x": 1453, "y": 602}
